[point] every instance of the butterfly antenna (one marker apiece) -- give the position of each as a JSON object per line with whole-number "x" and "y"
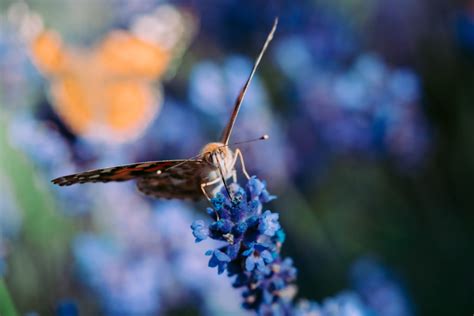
{"x": 263, "y": 137}
{"x": 243, "y": 91}
{"x": 180, "y": 163}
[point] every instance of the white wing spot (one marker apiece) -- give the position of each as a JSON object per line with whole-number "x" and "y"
{"x": 94, "y": 176}
{"x": 107, "y": 170}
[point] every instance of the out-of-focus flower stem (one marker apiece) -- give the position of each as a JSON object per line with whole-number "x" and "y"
{"x": 304, "y": 224}
{"x": 42, "y": 244}
{"x": 7, "y": 307}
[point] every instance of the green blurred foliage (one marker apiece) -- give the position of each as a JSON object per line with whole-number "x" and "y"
{"x": 39, "y": 258}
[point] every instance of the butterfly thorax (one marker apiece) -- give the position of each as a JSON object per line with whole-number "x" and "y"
{"x": 217, "y": 155}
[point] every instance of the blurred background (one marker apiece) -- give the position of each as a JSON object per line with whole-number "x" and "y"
{"x": 369, "y": 108}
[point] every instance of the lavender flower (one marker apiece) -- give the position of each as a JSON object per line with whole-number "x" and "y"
{"x": 251, "y": 253}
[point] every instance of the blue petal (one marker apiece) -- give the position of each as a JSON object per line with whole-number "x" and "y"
{"x": 255, "y": 187}
{"x": 280, "y": 236}
{"x": 269, "y": 224}
{"x": 221, "y": 268}
{"x": 248, "y": 252}
{"x": 218, "y": 201}
{"x": 250, "y": 263}
{"x": 254, "y": 206}
{"x": 221, "y": 256}
{"x": 259, "y": 263}
{"x": 267, "y": 297}
{"x": 200, "y": 230}
{"x": 239, "y": 229}
{"x": 233, "y": 250}
{"x": 213, "y": 262}
{"x": 267, "y": 256}
{"x": 278, "y": 283}
{"x": 266, "y": 197}
{"x": 251, "y": 221}
{"x": 224, "y": 225}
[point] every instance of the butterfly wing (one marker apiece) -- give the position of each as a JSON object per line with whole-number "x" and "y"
{"x": 182, "y": 181}
{"x": 119, "y": 173}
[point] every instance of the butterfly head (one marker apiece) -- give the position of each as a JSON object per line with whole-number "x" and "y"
{"x": 217, "y": 153}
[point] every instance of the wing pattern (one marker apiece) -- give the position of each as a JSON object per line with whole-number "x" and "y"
{"x": 182, "y": 181}
{"x": 119, "y": 173}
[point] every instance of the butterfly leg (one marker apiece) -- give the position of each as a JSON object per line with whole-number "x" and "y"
{"x": 234, "y": 176}
{"x": 238, "y": 154}
{"x": 206, "y": 184}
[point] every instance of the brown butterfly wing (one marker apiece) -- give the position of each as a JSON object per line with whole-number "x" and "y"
{"x": 119, "y": 173}
{"x": 182, "y": 181}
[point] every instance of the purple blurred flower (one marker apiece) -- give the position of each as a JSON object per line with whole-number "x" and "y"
{"x": 176, "y": 125}
{"x": 146, "y": 263}
{"x": 124, "y": 286}
{"x": 19, "y": 80}
{"x": 67, "y": 308}
{"x": 464, "y": 27}
{"x": 379, "y": 289}
{"x": 367, "y": 107}
{"x": 345, "y": 304}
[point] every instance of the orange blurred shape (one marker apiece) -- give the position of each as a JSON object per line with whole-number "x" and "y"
{"x": 137, "y": 58}
{"x": 48, "y": 52}
{"x": 104, "y": 93}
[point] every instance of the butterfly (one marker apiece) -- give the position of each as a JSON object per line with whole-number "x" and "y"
{"x": 183, "y": 179}
{"x": 106, "y": 93}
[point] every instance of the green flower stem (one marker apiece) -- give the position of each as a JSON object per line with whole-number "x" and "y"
{"x": 7, "y": 307}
